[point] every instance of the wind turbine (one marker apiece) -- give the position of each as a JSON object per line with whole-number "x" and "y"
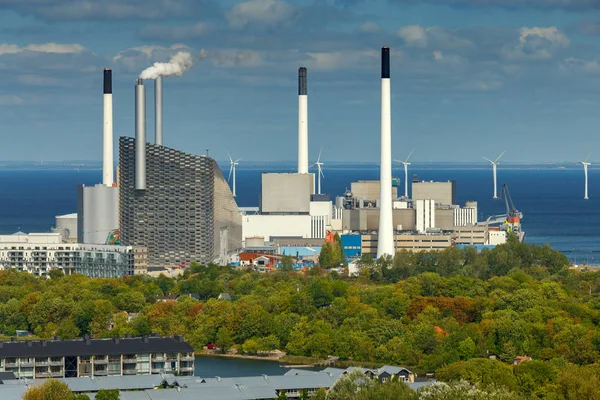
{"x": 586, "y": 164}
{"x": 406, "y": 164}
{"x": 494, "y": 165}
{"x": 232, "y": 165}
{"x": 319, "y": 164}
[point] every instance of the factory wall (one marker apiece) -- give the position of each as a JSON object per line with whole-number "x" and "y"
{"x": 368, "y": 219}
{"x": 496, "y": 238}
{"x": 444, "y": 218}
{"x": 409, "y": 242}
{"x": 470, "y": 235}
{"x": 442, "y": 192}
{"x": 465, "y": 216}
{"x": 97, "y": 213}
{"x": 270, "y": 226}
{"x": 286, "y": 193}
{"x": 426, "y": 215}
{"x": 369, "y": 190}
{"x": 352, "y": 245}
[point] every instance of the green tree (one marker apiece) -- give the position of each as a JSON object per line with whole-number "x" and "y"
{"x": 107, "y": 394}
{"x": 349, "y": 385}
{"x": 56, "y": 274}
{"x": 287, "y": 264}
{"x": 479, "y": 371}
{"x": 463, "y": 390}
{"x": 224, "y": 339}
{"x": 50, "y": 389}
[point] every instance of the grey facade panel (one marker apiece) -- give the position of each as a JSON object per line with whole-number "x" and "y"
{"x": 187, "y": 212}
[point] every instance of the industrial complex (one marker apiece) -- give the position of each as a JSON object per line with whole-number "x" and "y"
{"x": 166, "y": 208}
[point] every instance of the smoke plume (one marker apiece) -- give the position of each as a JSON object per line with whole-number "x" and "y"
{"x": 177, "y": 65}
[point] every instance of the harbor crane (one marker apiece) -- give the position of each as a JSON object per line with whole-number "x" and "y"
{"x": 511, "y": 221}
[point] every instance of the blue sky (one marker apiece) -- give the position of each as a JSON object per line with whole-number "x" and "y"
{"x": 469, "y": 77}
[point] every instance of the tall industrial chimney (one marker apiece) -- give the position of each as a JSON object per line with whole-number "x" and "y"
{"x": 302, "y": 122}
{"x": 140, "y": 135}
{"x": 158, "y": 114}
{"x": 385, "y": 241}
{"x": 107, "y": 154}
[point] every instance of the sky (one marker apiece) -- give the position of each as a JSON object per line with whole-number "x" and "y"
{"x": 470, "y": 78}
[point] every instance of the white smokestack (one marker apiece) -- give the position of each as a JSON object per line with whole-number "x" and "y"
{"x": 140, "y": 135}
{"x": 302, "y": 122}
{"x": 158, "y": 113}
{"x": 177, "y": 65}
{"x": 107, "y": 154}
{"x": 385, "y": 241}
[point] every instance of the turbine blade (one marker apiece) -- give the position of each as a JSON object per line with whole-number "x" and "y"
{"x": 238, "y": 160}
{"x": 230, "y": 159}
{"x": 409, "y": 154}
{"x": 230, "y": 171}
{"x": 500, "y": 156}
{"x": 588, "y": 157}
{"x": 321, "y": 172}
{"x": 488, "y": 160}
{"x": 319, "y": 158}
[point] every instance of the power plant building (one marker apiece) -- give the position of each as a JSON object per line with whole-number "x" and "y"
{"x": 185, "y": 213}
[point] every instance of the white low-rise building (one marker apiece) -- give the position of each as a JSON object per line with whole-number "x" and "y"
{"x": 39, "y": 253}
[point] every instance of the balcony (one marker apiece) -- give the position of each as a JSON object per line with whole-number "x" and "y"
{"x": 186, "y": 358}
{"x": 158, "y": 370}
{"x": 10, "y": 365}
{"x": 186, "y": 369}
{"x": 42, "y": 375}
{"x": 101, "y": 373}
{"x": 129, "y": 360}
{"x": 100, "y": 361}
{"x": 26, "y": 364}
{"x": 159, "y": 359}
{"x": 41, "y": 363}
{"x": 129, "y": 372}
{"x": 56, "y": 363}
{"x": 56, "y": 374}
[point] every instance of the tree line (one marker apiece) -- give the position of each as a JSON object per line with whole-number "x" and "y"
{"x": 425, "y": 311}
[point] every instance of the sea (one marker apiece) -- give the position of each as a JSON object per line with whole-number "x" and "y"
{"x": 551, "y": 198}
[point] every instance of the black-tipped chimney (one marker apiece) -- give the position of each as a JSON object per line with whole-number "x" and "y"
{"x": 302, "y": 86}
{"x": 385, "y": 62}
{"x": 107, "y": 81}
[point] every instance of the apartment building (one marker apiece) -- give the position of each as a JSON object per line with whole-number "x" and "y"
{"x": 88, "y": 357}
{"x": 39, "y": 253}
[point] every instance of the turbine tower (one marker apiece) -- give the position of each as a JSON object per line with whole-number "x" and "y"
{"x": 586, "y": 164}
{"x": 232, "y": 165}
{"x": 406, "y": 164}
{"x": 494, "y": 166}
{"x": 319, "y": 164}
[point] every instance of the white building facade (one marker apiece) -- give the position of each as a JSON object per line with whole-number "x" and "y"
{"x": 39, "y": 253}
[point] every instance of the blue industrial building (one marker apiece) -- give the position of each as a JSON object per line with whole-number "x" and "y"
{"x": 352, "y": 246}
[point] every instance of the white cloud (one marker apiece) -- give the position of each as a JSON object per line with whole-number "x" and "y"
{"x": 261, "y": 13}
{"x": 163, "y": 32}
{"x": 342, "y": 59}
{"x": 413, "y": 35}
{"x": 369, "y": 27}
{"x": 442, "y": 58}
{"x": 536, "y": 44}
{"x": 37, "y": 80}
{"x": 50, "y": 47}
{"x": 11, "y": 100}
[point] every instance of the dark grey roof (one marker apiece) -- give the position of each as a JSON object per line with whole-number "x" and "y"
{"x": 81, "y": 347}
{"x": 6, "y": 375}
